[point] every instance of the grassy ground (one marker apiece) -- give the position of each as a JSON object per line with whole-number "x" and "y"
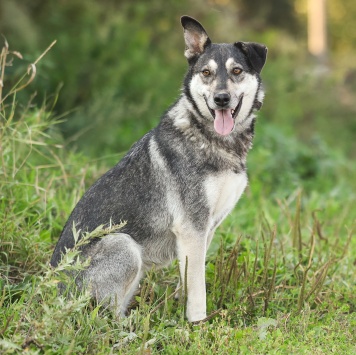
{"x": 280, "y": 273}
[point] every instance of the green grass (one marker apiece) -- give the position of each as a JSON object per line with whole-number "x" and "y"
{"x": 281, "y": 274}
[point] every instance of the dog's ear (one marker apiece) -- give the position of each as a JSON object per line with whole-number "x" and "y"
{"x": 255, "y": 52}
{"x": 196, "y": 38}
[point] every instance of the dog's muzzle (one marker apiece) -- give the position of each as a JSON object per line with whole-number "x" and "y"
{"x": 224, "y": 119}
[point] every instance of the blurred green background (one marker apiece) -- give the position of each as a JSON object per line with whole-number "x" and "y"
{"x": 117, "y": 65}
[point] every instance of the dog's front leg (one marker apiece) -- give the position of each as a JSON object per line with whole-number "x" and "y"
{"x": 191, "y": 254}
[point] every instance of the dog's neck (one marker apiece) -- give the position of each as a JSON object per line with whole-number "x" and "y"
{"x": 232, "y": 149}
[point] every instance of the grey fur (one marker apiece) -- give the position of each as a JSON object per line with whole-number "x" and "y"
{"x": 176, "y": 184}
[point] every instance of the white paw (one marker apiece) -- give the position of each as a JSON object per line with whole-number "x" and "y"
{"x": 196, "y": 316}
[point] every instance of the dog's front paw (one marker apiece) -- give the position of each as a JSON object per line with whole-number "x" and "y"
{"x": 196, "y": 317}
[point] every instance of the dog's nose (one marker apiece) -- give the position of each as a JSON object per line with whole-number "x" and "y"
{"x": 222, "y": 99}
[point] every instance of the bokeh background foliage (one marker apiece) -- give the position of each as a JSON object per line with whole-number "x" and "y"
{"x": 119, "y": 64}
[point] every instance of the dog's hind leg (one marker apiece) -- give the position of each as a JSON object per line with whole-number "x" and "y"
{"x": 114, "y": 271}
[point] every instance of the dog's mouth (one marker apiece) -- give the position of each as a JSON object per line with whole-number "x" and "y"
{"x": 224, "y": 119}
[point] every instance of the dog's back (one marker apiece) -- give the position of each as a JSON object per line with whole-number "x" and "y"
{"x": 124, "y": 193}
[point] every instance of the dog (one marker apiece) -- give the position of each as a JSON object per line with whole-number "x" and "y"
{"x": 178, "y": 182}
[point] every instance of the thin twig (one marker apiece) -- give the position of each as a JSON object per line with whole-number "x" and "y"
{"x": 31, "y": 69}
{"x": 210, "y": 316}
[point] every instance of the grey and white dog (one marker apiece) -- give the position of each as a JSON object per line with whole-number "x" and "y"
{"x": 177, "y": 183}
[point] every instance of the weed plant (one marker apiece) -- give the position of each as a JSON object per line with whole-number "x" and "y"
{"x": 280, "y": 272}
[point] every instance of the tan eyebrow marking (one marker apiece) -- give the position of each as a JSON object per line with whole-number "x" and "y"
{"x": 212, "y": 64}
{"x": 230, "y": 63}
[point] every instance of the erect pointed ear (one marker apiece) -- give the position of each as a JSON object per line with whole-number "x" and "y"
{"x": 196, "y": 38}
{"x": 255, "y": 52}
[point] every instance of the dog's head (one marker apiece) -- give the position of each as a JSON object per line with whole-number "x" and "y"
{"x": 223, "y": 81}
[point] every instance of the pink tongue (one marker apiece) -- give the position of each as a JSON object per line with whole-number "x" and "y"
{"x": 223, "y": 123}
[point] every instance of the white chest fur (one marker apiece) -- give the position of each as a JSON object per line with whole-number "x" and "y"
{"x": 223, "y": 191}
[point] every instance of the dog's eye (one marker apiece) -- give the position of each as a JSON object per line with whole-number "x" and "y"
{"x": 206, "y": 72}
{"x": 236, "y": 71}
